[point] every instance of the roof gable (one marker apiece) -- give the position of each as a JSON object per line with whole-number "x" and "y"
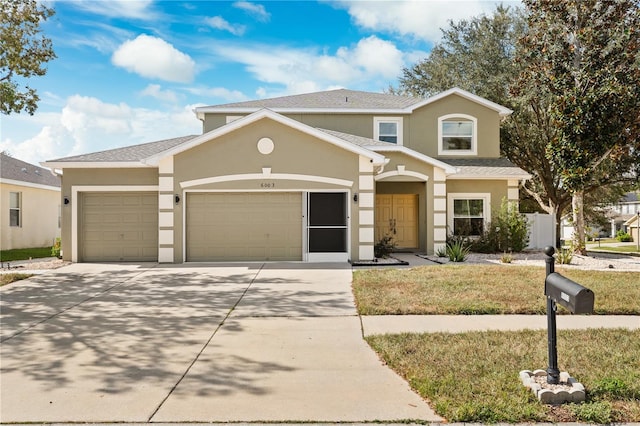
{"x": 271, "y": 115}
{"x": 467, "y": 95}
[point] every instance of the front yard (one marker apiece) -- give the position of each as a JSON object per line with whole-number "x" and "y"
{"x": 485, "y": 289}
{"x": 473, "y": 377}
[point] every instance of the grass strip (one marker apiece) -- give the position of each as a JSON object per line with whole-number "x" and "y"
{"x": 484, "y": 289}
{"x": 473, "y": 377}
{"x": 11, "y": 277}
{"x": 25, "y": 254}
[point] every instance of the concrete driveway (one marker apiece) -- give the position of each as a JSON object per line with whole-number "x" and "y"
{"x": 154, "y": 343}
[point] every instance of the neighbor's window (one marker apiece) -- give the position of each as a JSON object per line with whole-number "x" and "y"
{"x": 468, "y": 213}
{"x": 14, "y": 209}
{"x": 457, "y": 135}
{"x": 388, "y": 129}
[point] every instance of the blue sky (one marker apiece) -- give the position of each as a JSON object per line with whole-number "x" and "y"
{"x": 131, "y": 71}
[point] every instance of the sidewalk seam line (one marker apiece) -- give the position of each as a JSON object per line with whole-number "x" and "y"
{"x": 206, "y": 344}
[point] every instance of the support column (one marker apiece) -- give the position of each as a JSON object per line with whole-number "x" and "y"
{"x": 439, "y": 209}
{"x": 166, "y": 204}
{"x": 365, "y": 207}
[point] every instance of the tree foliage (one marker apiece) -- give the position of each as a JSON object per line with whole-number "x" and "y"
{"x": 480, "y": 55}
{"x": 477, "y": 55}
{"x": 491, "y": 56}
{"x": 584, "y": 57}
{"x": 24, "y": 51}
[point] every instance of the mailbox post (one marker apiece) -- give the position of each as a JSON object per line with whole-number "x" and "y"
{"x": 553, "y": 373}
{"x": 569, "y": 294}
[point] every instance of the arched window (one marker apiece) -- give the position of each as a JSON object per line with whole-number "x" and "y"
{"x": 457, "y": 135}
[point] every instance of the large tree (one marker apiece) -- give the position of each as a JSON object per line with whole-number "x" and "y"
{"x": 484, "y": 55}
{"x": 479, "y": 55}
{"x": 584, "y": 57}
{"x": 24, "y": 51}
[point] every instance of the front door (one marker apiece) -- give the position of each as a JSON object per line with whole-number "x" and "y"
{"x": 397, "y": 215}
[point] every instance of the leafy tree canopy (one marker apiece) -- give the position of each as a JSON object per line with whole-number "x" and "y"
{"x": 586, "y": 56}
{"x": 23, "y": 53}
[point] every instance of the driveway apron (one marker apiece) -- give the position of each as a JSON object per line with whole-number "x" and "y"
{"x": 140, "y": 343}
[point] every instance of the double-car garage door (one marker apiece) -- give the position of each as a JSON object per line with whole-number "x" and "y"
{"x": 244, "y": 226}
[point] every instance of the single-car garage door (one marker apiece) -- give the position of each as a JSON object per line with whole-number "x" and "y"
{"x": 244, "y": 226}
{"x": 118, "y": 227}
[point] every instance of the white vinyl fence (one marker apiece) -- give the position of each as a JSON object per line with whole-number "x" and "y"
{"x": 542, "y": 230}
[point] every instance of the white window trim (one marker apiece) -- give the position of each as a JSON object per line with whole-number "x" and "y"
{"x": 486, "y": 208}
{"x": 474, "y": 136}
{"x": 376, "y": 127}
{"x": 19, "y": 209}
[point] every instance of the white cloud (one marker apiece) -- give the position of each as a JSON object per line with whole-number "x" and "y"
{"x": 87, "y": 124}
{"x": 219, "y": 23}
{"x": 153, "y": 57}
{"x": 155, "y": 91}
{"x": 376, "y": 56}
{"x": 256, "y": 10}
{"x": 421, "y": 19}
{"x": 138, "y": 9}
{"x": 304, "y": 70}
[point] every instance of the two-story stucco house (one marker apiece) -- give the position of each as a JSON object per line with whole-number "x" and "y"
{"x": 30, "y": 200}
{"x": 313, "y": 177}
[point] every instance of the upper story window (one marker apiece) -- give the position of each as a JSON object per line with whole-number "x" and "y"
{"x": 388, "y": 129}
{"x": 457, "y": 135}
{"x": 15, "y": 204}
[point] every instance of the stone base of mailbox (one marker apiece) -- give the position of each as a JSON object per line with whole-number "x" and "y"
{"x": 568, "y": 390}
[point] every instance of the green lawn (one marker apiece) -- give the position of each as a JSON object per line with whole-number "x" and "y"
{"x": 473, "y": 377}
{"x": 484, "y": 289}
{"x": 621, "y": 249}
{"x": 24, "y": 254}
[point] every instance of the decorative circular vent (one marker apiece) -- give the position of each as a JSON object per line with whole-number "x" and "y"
{"x": 265, "y": 146}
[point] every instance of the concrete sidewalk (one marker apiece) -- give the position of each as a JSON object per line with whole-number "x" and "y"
{"x": 383, "y": 324}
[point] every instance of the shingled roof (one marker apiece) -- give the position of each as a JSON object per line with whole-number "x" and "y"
{"x": 18, "y": 170}
{"x": 339, "y": 99}
{"x": 479, "y": 167}
{"x": 126, "y": 154}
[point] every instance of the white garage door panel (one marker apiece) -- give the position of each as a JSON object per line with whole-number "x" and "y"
{"x": 118, "y": 227}
{"x": 244, "y": 226}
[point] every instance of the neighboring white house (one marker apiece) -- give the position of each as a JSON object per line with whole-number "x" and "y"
{"x": 30, "y": 200}
{"x": 619, "y": 216}
{"x": 621, "y": 213}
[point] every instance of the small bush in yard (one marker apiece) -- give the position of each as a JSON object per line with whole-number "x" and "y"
{"x": 565, "y": 256}
{"x": 508, "y": 231}
{"x": 55, "y": 250}
{"x": 457, "y": 251}
{"x": 384, "y": 247}
{"x": 623, "y": 237}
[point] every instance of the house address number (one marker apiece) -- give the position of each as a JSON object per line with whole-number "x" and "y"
{"x": 267, "y": 184}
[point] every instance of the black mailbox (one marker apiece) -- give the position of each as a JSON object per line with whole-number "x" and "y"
{"x": 576, "y": 298}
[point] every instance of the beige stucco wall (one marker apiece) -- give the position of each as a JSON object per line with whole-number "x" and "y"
{"x": 40, "y": 214}
{"x": 98, "y": 178}
{"x": 421, "y": 132}
{"x": 420, "y": 128}
{"x": 497, "y": 189}
{"x": 294, "y": 152}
